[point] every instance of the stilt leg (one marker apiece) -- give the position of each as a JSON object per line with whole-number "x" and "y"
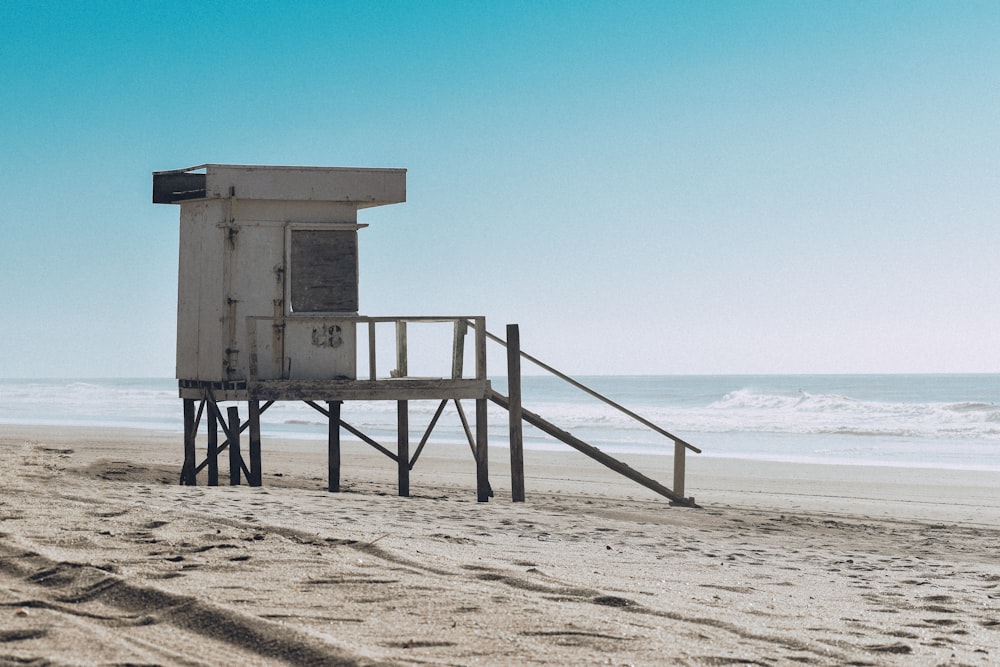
{"x": 188, "y": 472}
{"x": 333, "y": 446}
{"x": 213, "y": 447}
{"x": 482, "y": 460}
{"x": 514, "y": 413}
{"x": 235, "y": 458}
{"x": 403, "y": 452}
{"x": 679, "y": 453}
{"x": 253, "y": 415}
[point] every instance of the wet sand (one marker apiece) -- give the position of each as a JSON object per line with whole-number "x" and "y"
{"x": 105, "y": 560}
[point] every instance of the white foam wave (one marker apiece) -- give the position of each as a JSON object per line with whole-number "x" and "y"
{"x": 806, "y": 413}
{"x": 803, "y": 413}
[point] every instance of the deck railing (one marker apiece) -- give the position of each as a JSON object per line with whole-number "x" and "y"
{"x": 460, "y": 324}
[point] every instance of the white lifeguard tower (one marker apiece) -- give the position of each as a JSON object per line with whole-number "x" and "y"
{"x": 268, "y": 311}
{"x": 268, "y": 308}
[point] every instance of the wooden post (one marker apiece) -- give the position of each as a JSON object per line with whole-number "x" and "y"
{"x": 482, "y": 460}
{"x": 235, "y": 458}
{"x": 188, "y": 475}
{"x": 480, "y": 323}
{"x": 680, "y": 451}
{"x": 458, "y": 350}
{"x": 401, "y": 370}
{"x": 372, "y": 366}
{"x": 333, "y": 446}
{"x": 213, "y": 447}
{"x": 403, "y": 452}
{"x": 253, "y": 410}
{"x": 514, "y": 413}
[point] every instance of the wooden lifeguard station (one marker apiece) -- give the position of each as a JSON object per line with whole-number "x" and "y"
{"x": 268, "y": 311}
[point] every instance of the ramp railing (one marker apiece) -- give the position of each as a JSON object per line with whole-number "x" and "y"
{"x": 513, "y": 405}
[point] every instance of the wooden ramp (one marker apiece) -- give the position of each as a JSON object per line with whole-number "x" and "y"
{"x": 512, "y": 404}
{"x": 593, "y": 452}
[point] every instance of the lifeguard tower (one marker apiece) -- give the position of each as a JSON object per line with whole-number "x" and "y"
{"x": 268, "y": 311}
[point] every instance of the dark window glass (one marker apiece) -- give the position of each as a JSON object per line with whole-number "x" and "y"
{"x": 324, "y": 271}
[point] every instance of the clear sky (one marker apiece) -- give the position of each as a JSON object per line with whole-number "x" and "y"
{"x": 645, "y": 187}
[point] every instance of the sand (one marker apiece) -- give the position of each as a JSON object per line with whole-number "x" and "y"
{"x": 105, "y": 560}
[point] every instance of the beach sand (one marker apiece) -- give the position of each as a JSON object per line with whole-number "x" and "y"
{"x": 106, "y": 560}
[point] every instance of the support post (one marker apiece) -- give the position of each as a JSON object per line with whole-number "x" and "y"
{"x": 401, "y": 369}
{"x": 514, "y": 412}
{"x": 188, "y": 475}
{"x": 235, "y": 458}
{"x": 253, "y": 410}
{"x": 333, "y": 446}
{"x": 403, "y": 452}
{"x": 480, "y": 324}
{"x": 213, "y": 447}
{"x": 458, "y": 350}
{"x": 680, "y": 451}
{"x": 482, "y": 460}
{"x": 372, "y": 366}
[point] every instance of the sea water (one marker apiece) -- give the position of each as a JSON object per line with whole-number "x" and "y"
{"x": 943, "y": 421}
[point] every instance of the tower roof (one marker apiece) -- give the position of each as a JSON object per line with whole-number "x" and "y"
{"x": 359, "y": 186}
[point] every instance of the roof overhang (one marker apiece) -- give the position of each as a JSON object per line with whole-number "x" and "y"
{"x": 358, "y": 186}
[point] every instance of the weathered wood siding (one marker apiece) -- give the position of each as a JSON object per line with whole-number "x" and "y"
{"x": 269, "y": 268}
{"x": 359, "y": 186}
{"x": 200, "y": 291}
{"x": 234, "y": 321}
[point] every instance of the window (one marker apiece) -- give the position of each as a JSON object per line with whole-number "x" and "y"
{"x": 323, "y": 271}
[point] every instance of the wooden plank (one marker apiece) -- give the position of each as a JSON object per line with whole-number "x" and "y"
{"x": 333, "y": 446}
{"x": 472, "y": 440}
{"x": 372, "y": 367}
{"x": 458, "y": 349}
{"x": 188, "y": 475}
{"x": 401, "y": 364}
{"x": 679, "y": 463}
{"x": 357, "y": 433}
{"x": 595, "y": 453}
{"x": 367, "y": 186}
{"x": 213, "y": 448}
{"x": 483, "y": 490}
{"x": 235, "y": 458}
{"x": 367, "y": 390}
{"x": 255, "y": 476}
{"x": 389, "y": 319}
{"x": 427, "y": 433}
{"x": 213, "y": 408}
{"x": 403, "y": 451}
{"x": 354, "y": 431}
{"x": 465, "y": 425}
{"x": 604, "y": 399}
{"x": 480, "y": 323}
{"x": 514, "y": 413}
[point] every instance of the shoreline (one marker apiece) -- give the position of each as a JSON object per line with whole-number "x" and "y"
{"x": 945, "y": 494}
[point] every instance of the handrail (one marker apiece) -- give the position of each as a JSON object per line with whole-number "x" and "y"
{"x": 639, "y": 418}
{"x": 458, "y": 349}
{"x": 593, "y": 452}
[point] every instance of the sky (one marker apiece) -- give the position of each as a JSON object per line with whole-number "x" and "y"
{"x": 644, "y": 187}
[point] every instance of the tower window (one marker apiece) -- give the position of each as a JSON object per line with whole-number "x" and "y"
{"x": 323, "y": 271}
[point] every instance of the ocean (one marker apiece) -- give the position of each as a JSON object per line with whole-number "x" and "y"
{"x": 937, "y": 421}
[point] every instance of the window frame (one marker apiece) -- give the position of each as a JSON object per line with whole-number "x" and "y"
{"x": 291, "y": 227}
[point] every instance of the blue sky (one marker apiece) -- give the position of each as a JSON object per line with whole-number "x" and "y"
{"x": 662, "y": 187}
